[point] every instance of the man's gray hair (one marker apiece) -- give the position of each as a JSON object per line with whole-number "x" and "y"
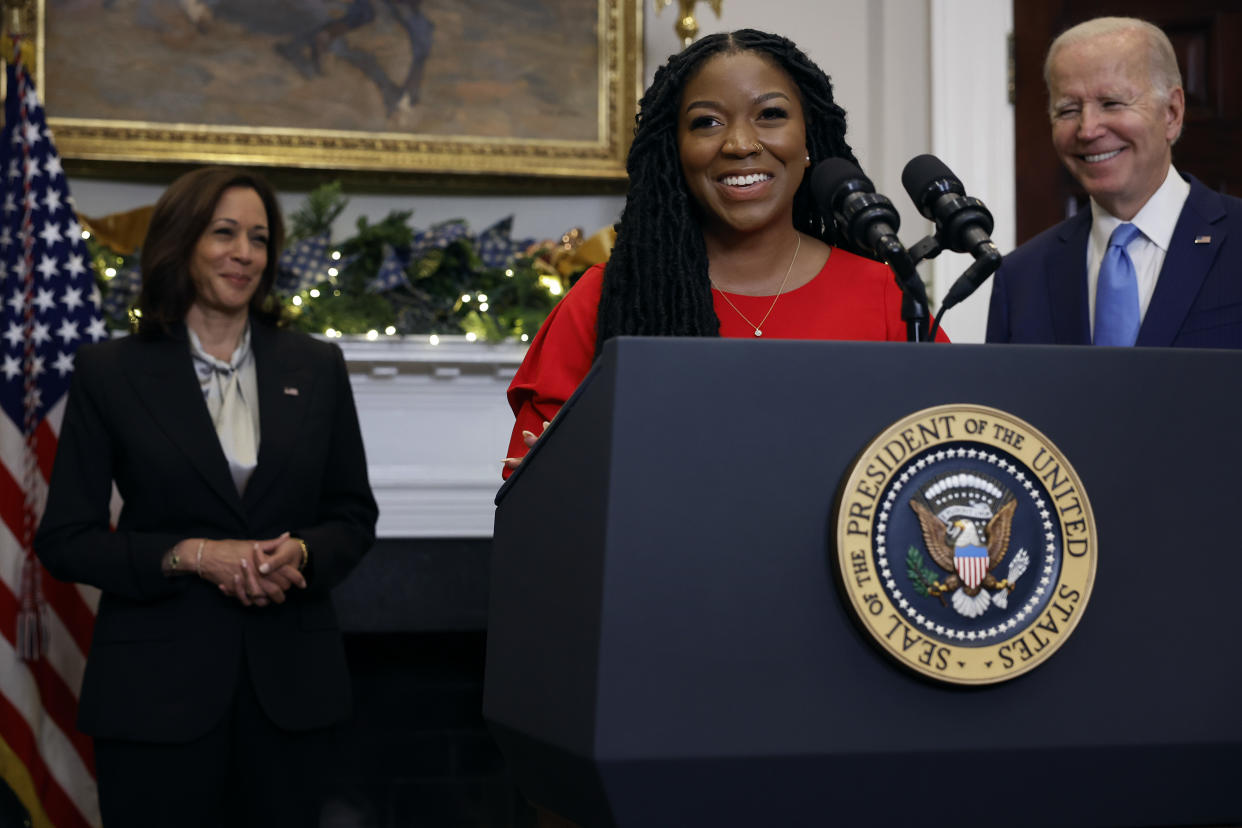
{"x": 1162, "y": 61}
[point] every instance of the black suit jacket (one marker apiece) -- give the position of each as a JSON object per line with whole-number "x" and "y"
{"x": 1039, "y": 294}
{"x": 164, "y": 660}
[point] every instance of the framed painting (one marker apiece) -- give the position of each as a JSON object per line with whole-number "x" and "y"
{"x": 542, "y": 88}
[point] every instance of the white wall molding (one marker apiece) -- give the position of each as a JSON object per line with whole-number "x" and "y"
{"x": 436, "y": 425}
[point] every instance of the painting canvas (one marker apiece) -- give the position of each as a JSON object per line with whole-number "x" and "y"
{"x": 525, "y": 87}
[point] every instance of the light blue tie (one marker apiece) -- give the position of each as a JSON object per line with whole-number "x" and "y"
{"x": 1116, "y": 293}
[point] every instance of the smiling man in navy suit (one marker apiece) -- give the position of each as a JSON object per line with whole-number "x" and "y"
{"x": 1157, "y": 260}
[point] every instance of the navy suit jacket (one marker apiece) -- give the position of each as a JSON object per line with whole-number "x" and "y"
{"x": 1039, "y": 295}
{"x": 166, "y": 653}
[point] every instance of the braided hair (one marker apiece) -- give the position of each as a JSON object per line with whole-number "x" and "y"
{"x": 656, "y": 283}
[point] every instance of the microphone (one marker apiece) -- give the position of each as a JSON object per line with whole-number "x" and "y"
{"x": 868, "y": 219}
{"x": 963, "y": 223}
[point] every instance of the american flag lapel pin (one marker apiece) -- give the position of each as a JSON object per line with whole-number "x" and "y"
{"x": 291, "y": 391}
{"x": 1203, "y": 239}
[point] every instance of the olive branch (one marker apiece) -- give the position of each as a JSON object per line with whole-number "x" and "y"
{"x": 922, "y": 575}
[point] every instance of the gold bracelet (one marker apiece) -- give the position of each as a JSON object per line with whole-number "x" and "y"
{"x": 305, "y": 554}
{"x": 198, "y": 558}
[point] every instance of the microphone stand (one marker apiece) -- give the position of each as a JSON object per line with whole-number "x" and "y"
{"x": 981, "y": 268}
{"x": 914, "y": 313}
{"x": 913, "y": 294}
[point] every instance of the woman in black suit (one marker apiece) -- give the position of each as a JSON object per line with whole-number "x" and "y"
{"x": 216, "y": 672}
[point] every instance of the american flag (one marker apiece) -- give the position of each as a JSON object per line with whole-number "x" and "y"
{"x": 50, "y": 307}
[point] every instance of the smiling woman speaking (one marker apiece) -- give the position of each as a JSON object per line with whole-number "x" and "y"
{"x": 720, "y": 235}
{"x": 216, "y": 669}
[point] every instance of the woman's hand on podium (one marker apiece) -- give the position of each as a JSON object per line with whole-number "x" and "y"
{"x": 529, "y": 438}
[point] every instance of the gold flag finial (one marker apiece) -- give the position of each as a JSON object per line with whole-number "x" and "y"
{"x": 16, "y": 20}
{"x": 687, "y": 27}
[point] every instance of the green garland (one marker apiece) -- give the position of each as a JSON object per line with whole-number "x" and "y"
{"x": 445, "y": 287}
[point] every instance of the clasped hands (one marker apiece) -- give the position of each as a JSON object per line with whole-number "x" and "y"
{"x": 255, "y": 572}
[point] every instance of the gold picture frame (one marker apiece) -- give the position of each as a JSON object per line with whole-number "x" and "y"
{"x": 562, "y": 108}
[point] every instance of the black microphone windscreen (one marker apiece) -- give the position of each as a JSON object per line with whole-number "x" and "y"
{"x": 829, "y": 178}
{"x": 922, "y": 172}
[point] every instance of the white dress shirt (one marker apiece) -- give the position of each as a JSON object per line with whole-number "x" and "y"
{"x": 1155, "y": 222}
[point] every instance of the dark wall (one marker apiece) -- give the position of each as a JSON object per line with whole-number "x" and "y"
{"x": 417, "y": 586}
{"x": 417, "y": 751}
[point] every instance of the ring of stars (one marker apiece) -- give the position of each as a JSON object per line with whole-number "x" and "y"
{"x": 1050, "y": 545}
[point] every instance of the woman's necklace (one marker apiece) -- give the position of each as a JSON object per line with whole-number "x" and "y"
{"x": 759, "y": 328}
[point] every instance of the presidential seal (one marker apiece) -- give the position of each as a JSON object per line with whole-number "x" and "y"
{"x": 966, "y": 544}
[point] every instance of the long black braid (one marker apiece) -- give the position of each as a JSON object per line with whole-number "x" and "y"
{"x": 656, "y": 283}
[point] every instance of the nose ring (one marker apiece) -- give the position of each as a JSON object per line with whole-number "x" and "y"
{"x": 758, "y": 147}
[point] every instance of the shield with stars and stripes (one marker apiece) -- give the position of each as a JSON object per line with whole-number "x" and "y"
{"x": 971, "y": 563}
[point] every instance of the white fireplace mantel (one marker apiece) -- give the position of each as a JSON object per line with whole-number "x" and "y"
{"x": 436, "y": 425}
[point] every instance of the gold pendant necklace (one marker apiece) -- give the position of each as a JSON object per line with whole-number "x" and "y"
{"x": 759, "y": 328}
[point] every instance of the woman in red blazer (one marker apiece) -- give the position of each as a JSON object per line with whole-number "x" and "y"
{"x": 720, "y": 235}
{"x": 216, "y": 670}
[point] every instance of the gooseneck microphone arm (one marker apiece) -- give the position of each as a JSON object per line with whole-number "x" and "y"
{"x": 870, "y": 222}
{"x": 914, "y": 311}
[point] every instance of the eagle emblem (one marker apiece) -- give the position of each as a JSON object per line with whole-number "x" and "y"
{"x": 955, "y": 555}
{"x": 966, "y": 519}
